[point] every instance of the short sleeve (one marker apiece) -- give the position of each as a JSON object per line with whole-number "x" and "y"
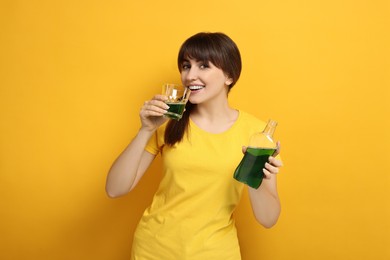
{"x": 156, "y": 142}
{"x": 152, "y": 146}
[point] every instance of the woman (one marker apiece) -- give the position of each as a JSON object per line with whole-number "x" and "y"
{"x": 191, "y": 213}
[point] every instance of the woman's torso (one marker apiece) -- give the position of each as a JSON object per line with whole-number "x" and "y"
{"x": 191, "y": 213}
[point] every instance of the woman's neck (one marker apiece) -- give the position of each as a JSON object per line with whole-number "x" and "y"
{"x": 214, "y": 118}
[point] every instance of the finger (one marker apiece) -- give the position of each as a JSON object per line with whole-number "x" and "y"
{"x": 155, "y": 105}
{"x": 160, "y": 97}
{"x": 277, "y": 151}
{"x": 243, "y": 149}
{"x": 272, "y": 169}
{"x": 156, "y": 102}
{"x": 275, "y": 162}
{"x": 267, "y": 174}
{"x": 151, "y": 110}
{"x": 146, "y": 114}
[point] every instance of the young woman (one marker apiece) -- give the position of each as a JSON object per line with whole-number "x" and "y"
{"x": 191, "y": 213}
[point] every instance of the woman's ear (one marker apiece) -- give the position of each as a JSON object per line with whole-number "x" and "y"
{"x": 228, "y": 81}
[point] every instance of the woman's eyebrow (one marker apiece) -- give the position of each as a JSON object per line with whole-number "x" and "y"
{"x": 196, "y": 60}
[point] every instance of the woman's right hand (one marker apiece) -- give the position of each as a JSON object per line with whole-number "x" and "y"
{"x": 152, "y": 113}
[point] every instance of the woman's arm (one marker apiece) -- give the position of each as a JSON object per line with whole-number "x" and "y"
{"x": 130, "y": 166}
{"x": 265, "y": 200}
{"x": 132, "y": 163}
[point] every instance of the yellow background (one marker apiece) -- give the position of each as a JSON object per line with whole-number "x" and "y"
{"x": 74, "y": 74}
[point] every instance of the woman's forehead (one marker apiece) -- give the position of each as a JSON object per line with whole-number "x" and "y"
{"x": 193, "y": 58}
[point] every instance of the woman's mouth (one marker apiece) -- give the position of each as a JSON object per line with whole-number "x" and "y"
{"x": 196, "y": 87}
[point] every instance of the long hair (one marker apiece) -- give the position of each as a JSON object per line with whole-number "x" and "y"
{"x": 216, "y": 48}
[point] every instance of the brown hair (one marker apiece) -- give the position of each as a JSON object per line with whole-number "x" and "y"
{"x": 216, "y": 48}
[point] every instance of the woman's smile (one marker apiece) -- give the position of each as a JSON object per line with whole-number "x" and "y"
{"x": 196, "y": 88}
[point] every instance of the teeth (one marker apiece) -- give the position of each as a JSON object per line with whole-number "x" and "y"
{"x": 195, "y": 87}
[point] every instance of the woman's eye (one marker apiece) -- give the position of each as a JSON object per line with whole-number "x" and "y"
{"x": 185, "y": 66}
{"x": 204, "y": 66}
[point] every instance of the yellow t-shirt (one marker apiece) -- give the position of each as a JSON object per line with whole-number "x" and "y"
{"x": 190, "y": 217}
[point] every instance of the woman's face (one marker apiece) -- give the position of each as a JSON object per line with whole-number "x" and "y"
{"x": 206, "y": 81}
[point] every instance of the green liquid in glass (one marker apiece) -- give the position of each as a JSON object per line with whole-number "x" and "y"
{"x": 250, "y": 169}
{"x": 175, "y": 110}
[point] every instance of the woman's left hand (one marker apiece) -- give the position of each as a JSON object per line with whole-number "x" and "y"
{"x": 273, "y": 164}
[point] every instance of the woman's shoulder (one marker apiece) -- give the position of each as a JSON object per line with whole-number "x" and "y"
{"x": 247, "y": 118}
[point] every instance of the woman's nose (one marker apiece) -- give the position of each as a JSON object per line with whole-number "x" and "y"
{"x": 191, "y": 74}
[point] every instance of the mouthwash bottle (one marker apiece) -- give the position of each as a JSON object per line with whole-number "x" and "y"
{"x": 261, "y": 146}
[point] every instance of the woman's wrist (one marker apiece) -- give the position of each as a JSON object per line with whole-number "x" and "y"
{"x": 145, "y": 132}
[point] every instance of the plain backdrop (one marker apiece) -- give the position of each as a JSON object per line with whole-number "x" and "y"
{"x": 74, "y": 75}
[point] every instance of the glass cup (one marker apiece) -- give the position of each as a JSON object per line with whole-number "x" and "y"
{"x": 177, "y": 98}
